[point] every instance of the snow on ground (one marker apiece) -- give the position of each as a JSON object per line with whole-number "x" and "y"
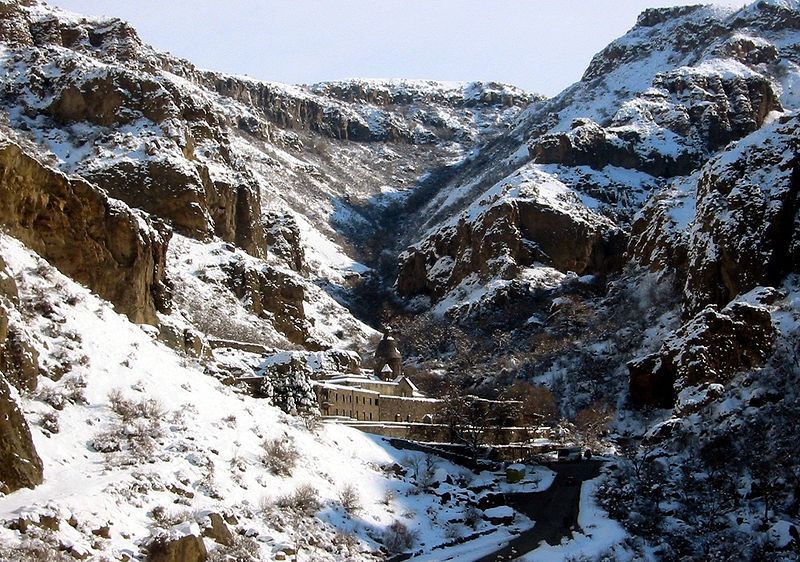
{"x": 199, "y": 272}
{"x": 599, "y": 535}
{"x": 202, "y": 451}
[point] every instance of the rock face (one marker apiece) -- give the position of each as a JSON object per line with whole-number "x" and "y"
{"x": 283, "y": 238}
{"x": 185, "y": 549}
{"x": 588, "y": 144}
{"x": 701, "y": 111}
{"x": 733, "y": 225}
{"x": 370, "y": 111}
{"x": 20, "y": 465}
{"x": 271, "y": 293}
{"x": 746, "y": 230}
{"x": 95, "y": 240}
{"x": 708, "y": 349}
{"x": 507, "y": 231}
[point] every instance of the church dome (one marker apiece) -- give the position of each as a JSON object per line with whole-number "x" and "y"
{"x": 387, "y": 348}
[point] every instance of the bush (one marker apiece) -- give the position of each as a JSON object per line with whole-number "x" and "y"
{"x": 130, "y": 411}
{"x": 398, "y": 538}
{"x": 135, "y": 431}
{"x": 303, "y": 500}
{"x": 388, "y": 497}
{"x": 472, "y": 516}
{"x": 33, "y": 551}
{"x": 70, "y": 391}
{"x": 351, "y": 502}
{"x": 279, "y": 456}
{"x": 49, "y": 422}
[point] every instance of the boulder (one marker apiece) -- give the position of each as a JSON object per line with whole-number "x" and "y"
{"x": 217, "y": 530}
{"x": 185, "y": 549}
{"x": 100, "y": 242}
{"x": 20, "y": 465}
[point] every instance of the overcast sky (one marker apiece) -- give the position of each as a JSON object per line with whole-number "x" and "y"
{"x": 540, "y": 45}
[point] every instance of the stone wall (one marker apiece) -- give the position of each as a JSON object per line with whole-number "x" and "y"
{"x": 396, "y": 408}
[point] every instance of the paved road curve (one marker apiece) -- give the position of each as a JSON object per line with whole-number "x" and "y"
{"x": 555, "y": 510}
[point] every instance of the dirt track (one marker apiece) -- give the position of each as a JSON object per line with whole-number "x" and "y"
{"x": 555, "y": 510}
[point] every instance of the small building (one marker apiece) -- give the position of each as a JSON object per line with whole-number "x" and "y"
{"x": 387, "y": 355}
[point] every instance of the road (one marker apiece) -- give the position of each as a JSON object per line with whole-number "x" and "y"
{"x": 555, "y": 510}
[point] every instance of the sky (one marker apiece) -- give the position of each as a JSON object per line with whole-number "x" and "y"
{"x": 542, "y": 46}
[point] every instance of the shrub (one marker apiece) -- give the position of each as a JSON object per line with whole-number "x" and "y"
{"x": 49, "y": 422}
{"x": 33, "y": 551}
{"x": 131, "y": 410}
{"x": 388, "y": 497}
{"x": 279, "y": 456}
{"x": 303, "y": 500}
{"x": 472, "y": 516}
{"x": 136, "y": 429}
{"x": 351, "y": 502}
{"x": 398, "y": 538}
{"x": 70, "y": 391}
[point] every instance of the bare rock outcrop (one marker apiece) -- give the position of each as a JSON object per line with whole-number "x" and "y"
{"x": 271, "y": 293}
{"x": 19, "y": 360}
{"x": 98, "y": 241}
{"x": 185, "y": 549}
{"x": 747, "y": 229}
{"x": 731, "y": 226}
{"x": 687, "y": 114}
{"x": 283, "y": 239}
{"x": 708, "y": 349}
{"x": 14, "y": 24}
{"x": 508, "y": 235}
{"x": 20, "y": 465}
{"x": 589, "y": 144}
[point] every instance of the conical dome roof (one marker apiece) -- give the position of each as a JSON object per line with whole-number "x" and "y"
{"x": 387, "y": 348}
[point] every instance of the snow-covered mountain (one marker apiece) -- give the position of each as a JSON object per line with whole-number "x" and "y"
{"x": 630, "y": 245}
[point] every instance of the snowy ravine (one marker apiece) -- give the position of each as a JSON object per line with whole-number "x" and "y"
{"x": 202, "y": 452}
{"x": 620, "y": 262}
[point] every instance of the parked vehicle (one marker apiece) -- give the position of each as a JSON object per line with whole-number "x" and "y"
{"x": 569, "y": 454}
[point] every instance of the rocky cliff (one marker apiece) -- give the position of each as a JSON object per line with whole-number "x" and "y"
{"x": 99, "y": 241}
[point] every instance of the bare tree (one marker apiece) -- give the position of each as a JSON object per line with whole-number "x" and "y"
{"x": 535, "y": 403}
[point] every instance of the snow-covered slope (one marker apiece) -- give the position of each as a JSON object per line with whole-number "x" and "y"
{"x": 655, "y": 104}
{"x": 291, "y": 174}
{"x": 138, "y": 443}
